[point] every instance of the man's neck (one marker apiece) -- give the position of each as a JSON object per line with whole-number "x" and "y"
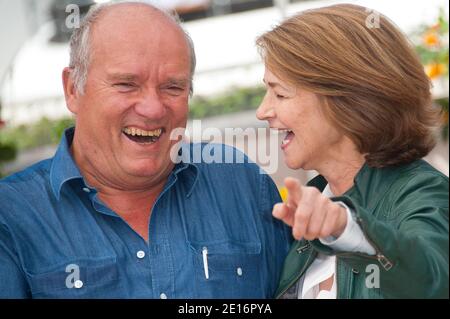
{"x": 119, "y": 187}
{"x": 132, "y": 198}
{"x": 134, "y": 207}
{"x": 127, "y": 202}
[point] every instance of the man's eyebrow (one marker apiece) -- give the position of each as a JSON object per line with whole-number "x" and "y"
{"x": 177, "y": 82}
{"x": 122, "y": 77}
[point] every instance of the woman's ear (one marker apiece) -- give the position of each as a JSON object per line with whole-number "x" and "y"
{"x": 70, "y": 91}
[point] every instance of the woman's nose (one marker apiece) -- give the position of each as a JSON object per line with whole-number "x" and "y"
{"x": 265, "y": 111}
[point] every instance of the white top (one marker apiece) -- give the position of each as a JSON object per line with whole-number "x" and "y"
{"x": 320, "y": 270}
{"x": 323, "y": 267}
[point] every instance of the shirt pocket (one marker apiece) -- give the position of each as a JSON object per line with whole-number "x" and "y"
{"x": 227, "y": 269}
{"x": 87, "y": 278}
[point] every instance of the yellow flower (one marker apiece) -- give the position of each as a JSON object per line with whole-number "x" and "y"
{"x": 435, "y": 70}
{"x": 431, "y": 39}
{"x": 283, "y": 193}
{"x": 444, "y": 118}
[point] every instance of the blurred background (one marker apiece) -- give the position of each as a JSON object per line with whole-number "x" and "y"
{"x": 228, "y": 81}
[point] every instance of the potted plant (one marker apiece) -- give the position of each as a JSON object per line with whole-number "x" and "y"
{"x": 8, "y": 151}
{"x": 432, "y": 47}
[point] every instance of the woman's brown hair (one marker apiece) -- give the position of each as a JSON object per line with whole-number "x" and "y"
{"x": 372, "y": 84}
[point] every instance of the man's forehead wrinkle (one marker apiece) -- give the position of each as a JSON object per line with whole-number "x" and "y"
{"x": 119, "y": 25}
{"x": 123, "y": 76}
{"x": 122, "y": 10}
{"x": 127, "y": 15}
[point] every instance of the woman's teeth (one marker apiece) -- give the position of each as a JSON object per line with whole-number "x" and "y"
{"x": 288, "y": 138}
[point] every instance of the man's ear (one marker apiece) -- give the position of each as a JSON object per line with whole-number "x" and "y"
{"x": 70, "y": 92}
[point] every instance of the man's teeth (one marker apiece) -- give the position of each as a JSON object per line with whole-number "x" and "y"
{"x": 138, "y": 132}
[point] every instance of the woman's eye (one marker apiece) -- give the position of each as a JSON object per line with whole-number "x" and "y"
{"x": 280, "y": 96}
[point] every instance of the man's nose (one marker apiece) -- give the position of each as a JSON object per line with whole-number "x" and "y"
{"x": 265, "y": 111}
{"x": 151, "y": 106}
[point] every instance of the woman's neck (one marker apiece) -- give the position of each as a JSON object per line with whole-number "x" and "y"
{"x": 341, "y": 168}
{"x": 341, "y": 179}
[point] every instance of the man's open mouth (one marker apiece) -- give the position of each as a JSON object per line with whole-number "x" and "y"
{"x": 142, "y": 136}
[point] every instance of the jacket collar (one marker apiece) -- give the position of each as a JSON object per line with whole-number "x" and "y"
{"x": 366, "y": 176}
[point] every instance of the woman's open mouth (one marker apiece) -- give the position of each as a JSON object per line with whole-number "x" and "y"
{"x": 143, "y": 136}
{"x": 287, "y": 139}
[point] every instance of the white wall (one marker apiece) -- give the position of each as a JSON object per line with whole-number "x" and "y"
{"x": 225, "y": 50}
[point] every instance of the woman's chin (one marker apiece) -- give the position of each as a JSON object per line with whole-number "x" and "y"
{"x": 292, "y": 163}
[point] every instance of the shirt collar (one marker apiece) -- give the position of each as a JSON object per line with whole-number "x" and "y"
{"x": 64, "y": 168}
{"x": 186, "y": 169}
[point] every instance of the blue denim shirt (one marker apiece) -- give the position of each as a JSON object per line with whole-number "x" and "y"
{"x": 58, "y": 240}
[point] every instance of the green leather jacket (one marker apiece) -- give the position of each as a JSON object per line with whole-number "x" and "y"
{"x": 403, "y": 212}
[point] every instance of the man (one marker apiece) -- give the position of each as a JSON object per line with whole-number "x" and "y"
{"x": 110, "y": 215}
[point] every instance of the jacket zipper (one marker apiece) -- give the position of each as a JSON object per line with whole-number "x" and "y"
{"x": 382, "y": 259}
{"x": 385, "y": 263}
{"x": 296, "y": 278}
{"x": 301, "y": 273}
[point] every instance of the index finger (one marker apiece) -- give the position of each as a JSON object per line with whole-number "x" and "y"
{"x": 294, "y": 191}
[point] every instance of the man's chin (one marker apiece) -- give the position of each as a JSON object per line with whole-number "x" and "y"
{"x": 148, "y": 168}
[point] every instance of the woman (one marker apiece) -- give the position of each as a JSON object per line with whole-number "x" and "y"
{"x": 355, "y": 104}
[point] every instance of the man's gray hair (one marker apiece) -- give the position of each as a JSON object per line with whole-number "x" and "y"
{"x": 80, "y": 50}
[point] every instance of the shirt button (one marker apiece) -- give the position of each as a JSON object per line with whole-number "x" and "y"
{"x": 86, "y": 190}
{"x": 239, "y": 271}
{"x": 163, "y": 296}
{"x": 78, "y": 284}
{"x": 140, "y": 254}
